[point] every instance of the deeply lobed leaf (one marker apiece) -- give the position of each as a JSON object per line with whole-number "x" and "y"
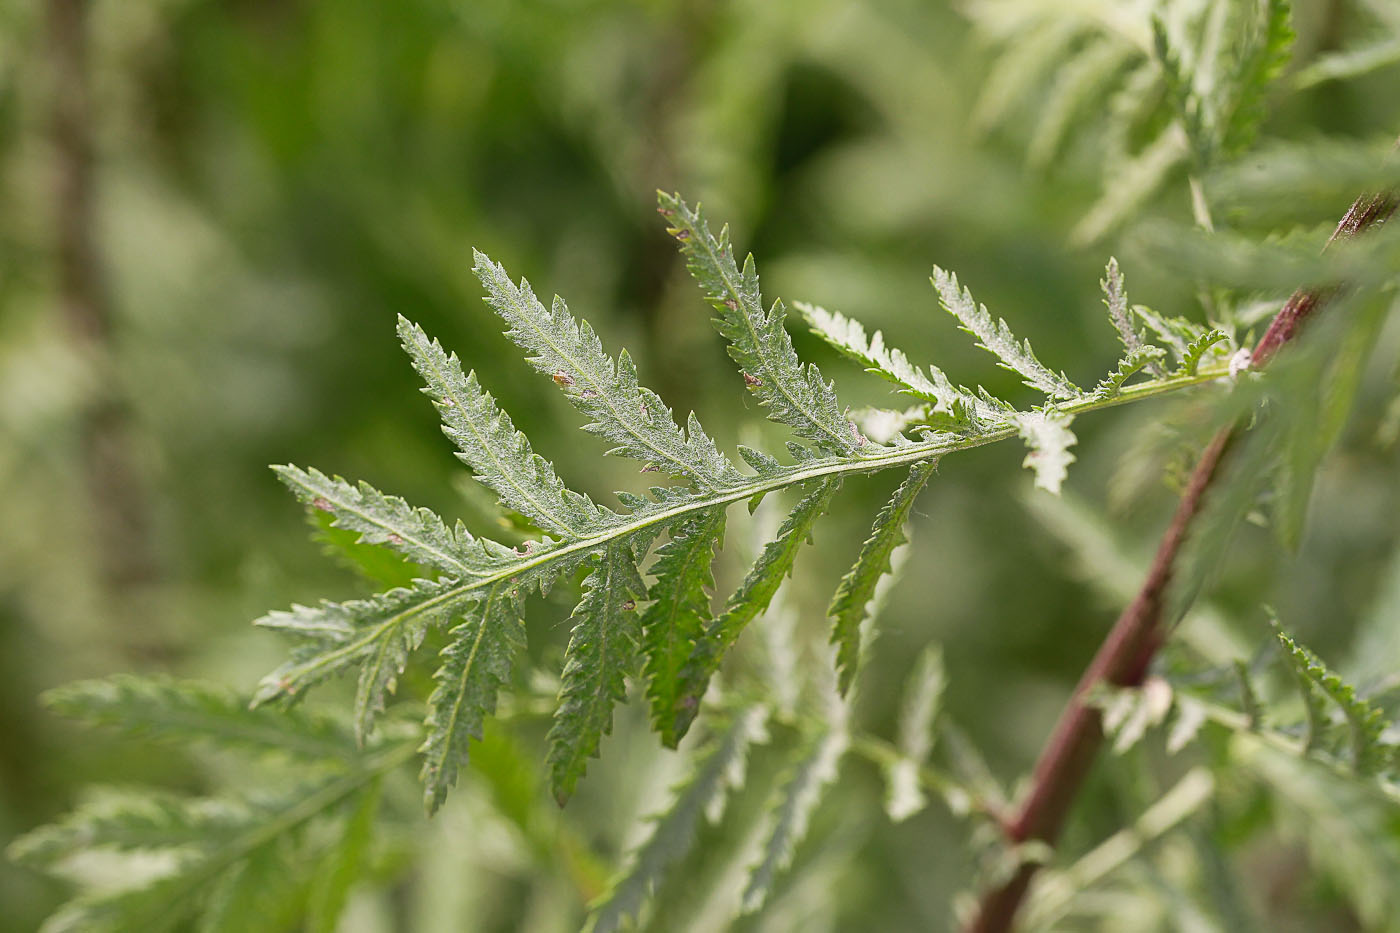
{"x": 500, "y": 456}
{"x": 996, "y": 338}
{"x": 602, "y": 653}
{"x": 377, "y": 634}
{"x": 418, "y": 534}
{"x": 794, "y": 393}
{"x": 1366, "y": 722}
{"x": 748, "y": 601}
{"x": 476, "y": 664}
{"x": 678, "y": 614}
{"x": 625, "y": 413}
{"x": 848, "y": 337}
{"x": 857, "y": 587}
{"x": 1137, "y": 359}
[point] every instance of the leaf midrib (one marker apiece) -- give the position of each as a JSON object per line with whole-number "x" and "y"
{"x": 883, "y": 458}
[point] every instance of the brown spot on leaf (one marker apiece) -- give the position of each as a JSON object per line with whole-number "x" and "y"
{"x": 629, "y": 605}
{"x": 562, "y": 378}
{"x": 731, "y": 304}
{"x": 752, "y": 380}
{"x": 322, "y": 503}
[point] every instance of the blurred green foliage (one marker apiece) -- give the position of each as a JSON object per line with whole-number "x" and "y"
{"x": 275, "y": 182}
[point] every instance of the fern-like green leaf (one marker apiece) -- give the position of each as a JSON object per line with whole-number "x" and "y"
{"x": 418, "y": 534}
{"x": 1365, "y": 721}
{"x": 1196, "y": 349}
{"x": 849, "y": 338}
{"x": 476, "y": 665}
{"x": 500, "y": 456}
{"x": 1135, "y": 361}
{"x": 749, "y": 600}
{"x": 811, "y": 771}
{"x": 718, "y": 768}
{"x": 857, "y": 587}
{"x": 1314, "y": 704}
{"x": 626, "y": 414}
{"x": 994, "y": 336}
{"x": 187, "y": 711}
{"x": 206, "y": 844}
{"x": 1176, "y": 333}
{"x": 1115, "y": 299}
{"x": 376, "y": 634}
{"x": 678, "y": 614}
{"x": 1266, "y": 45}
{"x": 794, "y": 393}
{"x": 602, "y": 653}
{"x": 682, "y": 650}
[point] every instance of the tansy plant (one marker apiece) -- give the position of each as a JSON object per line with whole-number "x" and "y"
{"x": 290, "y": 850}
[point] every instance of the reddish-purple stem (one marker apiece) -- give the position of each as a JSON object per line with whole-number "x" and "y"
{"x": 1124, "y": 656}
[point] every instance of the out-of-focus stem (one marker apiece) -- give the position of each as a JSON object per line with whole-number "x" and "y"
{"x": 117, "y": 503}
{"x": 1124, "y": 656}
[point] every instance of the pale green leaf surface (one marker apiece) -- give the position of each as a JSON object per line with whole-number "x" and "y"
{"x": 857, "y": 587}
{"x": 476, "y": 664}
{"x": 749, "y": 600}
{"x": 500, "y": 456}
{"x": 626, "y": 414}
{"x": 602, "y": 653}
{"x": 418, "y": 534}
{"x": 1049, "y": 438}
{"x": 848, "y": 337}
{"x": 794, "y": 393}
{"x": 376, "y": 634}
{"x": 994, "y": 336}
{"x": 1365, "y": 722}
{"x": 678, "y": 613}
